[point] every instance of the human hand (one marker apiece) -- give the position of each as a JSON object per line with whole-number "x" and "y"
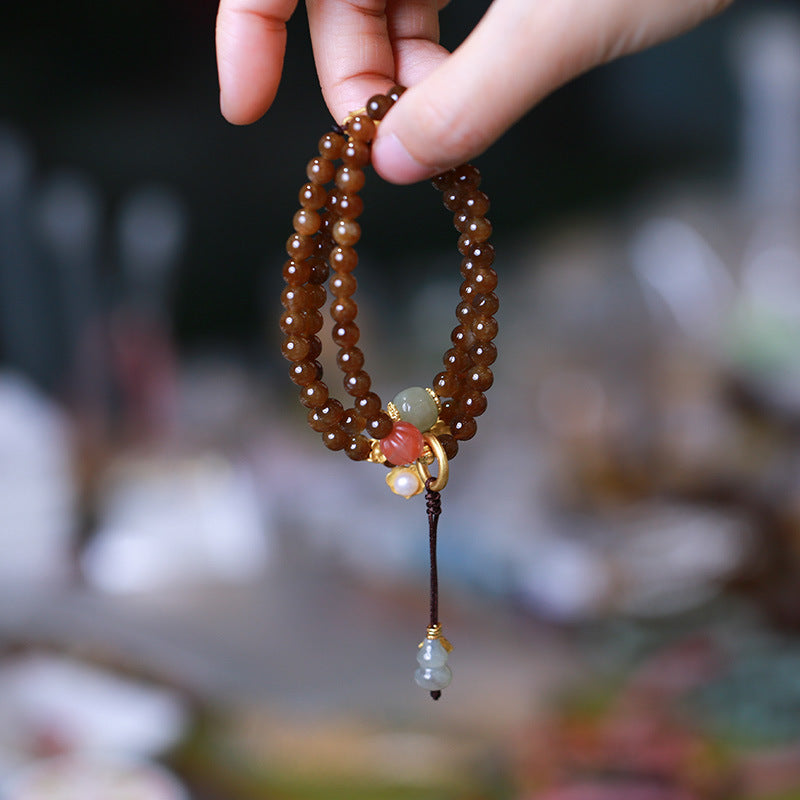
{"x": 457, "y": 104}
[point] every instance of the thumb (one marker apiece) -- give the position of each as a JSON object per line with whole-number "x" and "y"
{"x": 519, "y": 52}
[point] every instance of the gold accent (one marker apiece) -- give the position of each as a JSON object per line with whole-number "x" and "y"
{"x": 435, "y": 632}
{"x": 444, "y": 467}
{"x": 375, "y": 455}
{"x": 394, "y": 473}
{"x": 435, "y": 398}
{"x": 440, "y": 428}
{"x": 391, "y": 410}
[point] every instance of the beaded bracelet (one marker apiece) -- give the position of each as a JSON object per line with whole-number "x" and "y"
{"x": 421, "y": 425}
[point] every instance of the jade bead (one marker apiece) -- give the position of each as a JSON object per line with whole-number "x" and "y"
{"x": 416, "y": 406}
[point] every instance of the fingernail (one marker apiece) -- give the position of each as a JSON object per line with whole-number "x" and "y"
{"x": 396, "y": 164}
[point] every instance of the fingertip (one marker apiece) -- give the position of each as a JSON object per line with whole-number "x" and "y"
{"x": 393, "y": 162}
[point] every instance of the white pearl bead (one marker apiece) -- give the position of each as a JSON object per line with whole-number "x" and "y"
{"x": 404, "y": 481}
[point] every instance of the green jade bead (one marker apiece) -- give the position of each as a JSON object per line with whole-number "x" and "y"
{"x": 416, "y": 406}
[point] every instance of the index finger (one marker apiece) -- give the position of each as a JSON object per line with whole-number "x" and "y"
{"x": 251, "y": 42}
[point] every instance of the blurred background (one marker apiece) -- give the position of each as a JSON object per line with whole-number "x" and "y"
{"x": 198, "y": 600}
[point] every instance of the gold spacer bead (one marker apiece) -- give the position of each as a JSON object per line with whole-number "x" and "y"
{"x": 435, "y": 398}
{"x": 391, "y": 410}
{"x": 376, "y": 456}
{"x": 435, "y": 632}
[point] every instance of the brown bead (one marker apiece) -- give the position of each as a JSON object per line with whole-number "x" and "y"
{"x": 358, "y": 448}
{"x": 304, "y": 373}
{"x": 316, "y": 421}
{"x": 486, "y": 304}
{"x": 466, "y": 177}
{"x": 460, "y": 220}
{"x": 296, "y": 298}
{"x": 343, "y": 259}
{"x": 484, "y": 329}
{"x": 362, "y": 128}
{"x": 482, "y": 255}
{"x": 464, "y": 313}
{"x": 344, "y": 205}
{"x": 295, "y": 348}
{"x": 483, "y": 354}
{"x": 331, "y": 145}
{"x": 350, "y": 359}
{"x": 306, "y": 222}
{"x": 343, "y": 284}
{"x": 346, "y": 232}
{"x": 444, "y": 180}
{"x": 463, "y": 428}
{"x": 319, "y": 271}
{"x": 380, "y": 425}
{"x": 468, "y": 290}
{"x": 452, "y": 199}
{"x": 462, "y": 338}
{"x": 299, "y": 246}
{"x": 312, "y": 196}
{"x": 475, "y": 203}
{"x": 479, "y": 229}
{"x": 314, "y": 395}
{"x": 320, "y": 170}
{"x": 396, "y": 92}
{"x": 315, "y": 347}
{"x": 293, "y": 323}
{"x": 446, "y": 384}
{"x": 335, "y": 439}
{"x": 368, "y": 405}
{"x": 331, "y": 412}
{"x": 344, "y": 310}
{"x": 345, "y": 335}
{"x": 317, "y": 295}
{"x": 449, "y": 445}
{"x": 350, "y": 180}
{"x": 296, "y": 273}
{"x": 456, "y": 360}
{"x": 355, "y": 154}
{"x": 357, "y": 384}
{"x": 378, "y": 105}
{"x": 484, "y": 280}
{"x": 313, "y": 322}
{"x": 449, "y": 411}
{"x": 472, "y": 403}
{"x": 479, "y": 378}
{"x": 352, "y": 421}
{"x": 324, "y": 245}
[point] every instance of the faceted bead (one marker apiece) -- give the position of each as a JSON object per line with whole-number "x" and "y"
{"x": 335, "y": 439}
{"x": 368, "y": 405}
{"x": 358, "y": 448}
{"x": 343, "y": 259}
{"x": 352, "y": 421}
{"x": 350, "y": 180}
{"x": 415, "y": 405}
{"x": 357, "y": 384}
{"x": 312, "y": 196}
{"x": 320, "y": 170}
{"x": 355, "y": 154}
{"x": 296, "y": 273}
{"x": 343, "y": 284}
{"x": 483, "y": 354}
{"x": 484, "y": 328}
{"x": 456, "y": 360}
{"x": 346, "y": 232}
{"x": 395, "y": 93}
{"x": 295, "y": 348}
{"x": 345, "y": 310}
{"x": 404, "y": 481}
{"x": 304, "y": 373}
{"x": 449, "y": 445}
{"x": 378, "y": 105}
{"x": 350, "y": 359}
{"x": 331, "y": 145}
{"x": 463, "y": 428}
{"x": 479, "y": 378}
{"x": 361, "y": 128}
{"x": 433, "y": 680}
{"x": 345, "y": 335}
{"x": 403, "y": 444}
{"x": 380, "y": 426}
{"x": 299, "y": 246}
{"x": 315, "y": 395}
{"x": 306, "y": 221}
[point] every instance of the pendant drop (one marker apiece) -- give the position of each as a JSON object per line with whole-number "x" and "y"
{"x": 433, "y": 673}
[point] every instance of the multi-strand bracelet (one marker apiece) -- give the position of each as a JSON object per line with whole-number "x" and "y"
{"x": 421, "y": 426}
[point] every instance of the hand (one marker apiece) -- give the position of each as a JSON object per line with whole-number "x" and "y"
{"x": 458, "y": 103}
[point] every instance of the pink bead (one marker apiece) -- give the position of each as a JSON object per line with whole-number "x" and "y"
{"x": 403, "y": 445}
